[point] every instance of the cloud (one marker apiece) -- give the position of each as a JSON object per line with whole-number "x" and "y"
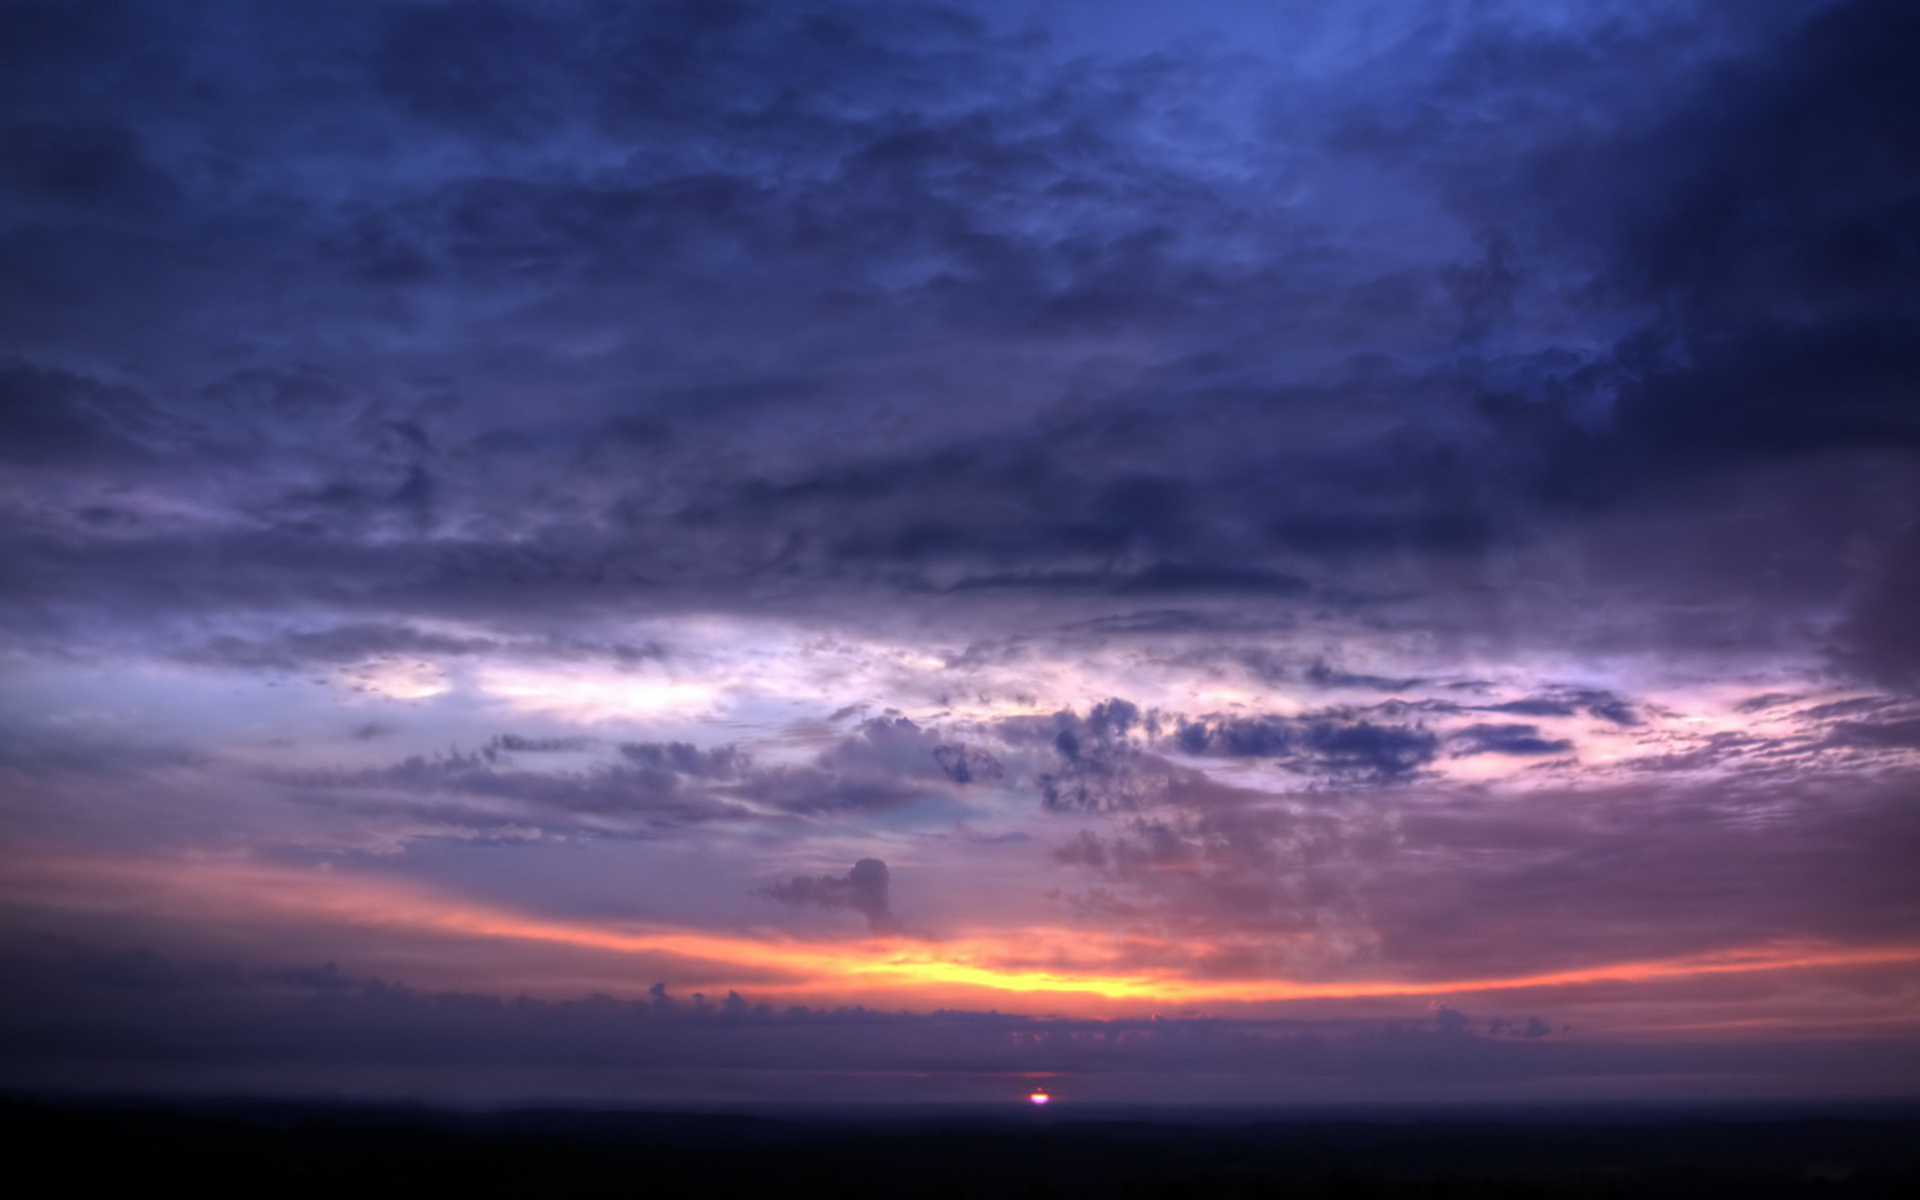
{"x": 656, "y": 787}
{"x": 1505, "y": 739}
{"x": 912, "y": 203}
{"x": 1565, "y": 701}
{"x": 1335, "y": 744}
{"x": 1891, "y": 735}
{"x": 515, "y": 744}
{"x": 863, "y": 889}
{"x": 49, "y": 417}
{"x": 1263, "y": 892}
{"x": 721, "y": 762}
{"x": 138, "y": 1016}
{"x": 354, "y": 643}
{"x": 1307, "y": 887}
{"x": 135, "y": 1006}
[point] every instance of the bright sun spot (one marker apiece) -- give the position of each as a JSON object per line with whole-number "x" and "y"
{"x": 1039, "y": 1097}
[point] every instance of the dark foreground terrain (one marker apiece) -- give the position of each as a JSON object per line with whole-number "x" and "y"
{"x": 294, "y": 1150}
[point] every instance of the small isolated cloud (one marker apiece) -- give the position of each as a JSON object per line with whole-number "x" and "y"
{"x": 1519, "y": 740}
{"x": 863, "y": 890}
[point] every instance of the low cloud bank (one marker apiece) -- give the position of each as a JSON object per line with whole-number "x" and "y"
{"x": 80, "y": 1013}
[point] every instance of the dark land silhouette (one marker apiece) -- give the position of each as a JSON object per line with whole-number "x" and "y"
{"x": 218, "y": 1149}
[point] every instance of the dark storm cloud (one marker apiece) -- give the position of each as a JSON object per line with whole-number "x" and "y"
{"x": 849, "y": 156}
{"x": 864, "y": 890}
{"x": 442, "y": 201}
{"x": 1767, "y": 225}
{"x": 1775, "y": 219}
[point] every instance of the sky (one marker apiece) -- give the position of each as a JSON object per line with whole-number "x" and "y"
{"x": 698, "y": 553}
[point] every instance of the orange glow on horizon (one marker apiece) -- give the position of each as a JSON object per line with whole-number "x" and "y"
{"x": 1051, "y": 964}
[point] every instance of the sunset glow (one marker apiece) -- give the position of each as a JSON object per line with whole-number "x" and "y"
{"x": 1084, "y": 976}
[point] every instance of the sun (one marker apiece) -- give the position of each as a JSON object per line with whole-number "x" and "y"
{"x": 1039, "y": 1097}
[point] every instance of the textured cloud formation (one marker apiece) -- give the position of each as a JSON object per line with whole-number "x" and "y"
{"x": 1132, "y": 369}
{"x": 1356, "y": 496}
